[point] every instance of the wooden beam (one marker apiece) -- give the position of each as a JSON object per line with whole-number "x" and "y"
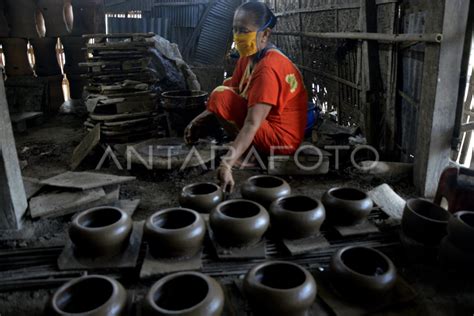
{"x": 370, "y": 36}
{"x": 331, "y": 7}
{"x": 329, "y": 76}
{"x": 441, "y": 71}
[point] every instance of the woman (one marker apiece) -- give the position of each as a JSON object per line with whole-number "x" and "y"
{"x": 264, "y": 103}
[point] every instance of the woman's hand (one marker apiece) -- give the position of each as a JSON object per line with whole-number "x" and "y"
{"x": 191, "y": 132}
{"x": 226, "y": 180}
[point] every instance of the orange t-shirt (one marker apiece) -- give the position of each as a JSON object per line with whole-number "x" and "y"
{"x": 275, "y": 81}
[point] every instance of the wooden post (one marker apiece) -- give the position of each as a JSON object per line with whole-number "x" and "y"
{"x": 436, "y": 116}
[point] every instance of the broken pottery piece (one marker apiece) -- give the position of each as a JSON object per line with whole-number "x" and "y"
{"x": 202, "y": 197}
{"x": 93, "y": 295}
{"x": 362, "y": 273}
{"x": 239, "y": 223}
{"x": 461, "y": 230}
{"x": 101, "y": 231}
{"x": 185, "y": 293}
{"x": 425, "y": 221}
{"x": 280, "y": 288}
{"x": 175, "y": 233}
{"x": 346, "y": 206}
{"x": 297, "y": 216}
{"x": 264, "y": 189}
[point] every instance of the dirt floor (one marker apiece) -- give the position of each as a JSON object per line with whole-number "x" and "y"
{"x": 47, "y": 149}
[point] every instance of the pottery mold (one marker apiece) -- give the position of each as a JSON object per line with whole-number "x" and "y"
{"x": 461, "y": 230}
{"x": 92, "y": 295}
{"x": 101, "y": 231}
{"x": 346, "y": 206}
{"x": 297, "y": 216}
{"x": 202, "y": 197}
{"x": 424, "y": 221}
{"x": 185, "y": 294}
{"x": 280, "y": 288}
{"x": 175, "y": 233}
{"x": 264, "y": 189}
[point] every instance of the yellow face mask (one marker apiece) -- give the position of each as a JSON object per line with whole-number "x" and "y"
{"x": 246, "y": 43}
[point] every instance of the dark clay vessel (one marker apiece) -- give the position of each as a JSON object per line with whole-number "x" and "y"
{"x": 93, "y": 295}
{"x": 185, "y": 294}
{"x": 346, "y": 206}
{"x": 264, "y": 189}
{"x": 201, "y": 197}
{"x": 239, "y": 223}
{"x": 175, "y": 233}
{"x": 461, "y": 230}
{"x": 451, "y": 256}
{"x": 280, "y": 289}
{"x": 362, "y": 273}
{"x": 101, "y": 231}
{"x": 424, "y": 221}
{"x": 297, "y": 216}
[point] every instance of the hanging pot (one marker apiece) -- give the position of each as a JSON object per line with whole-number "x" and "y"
{"x": 58, "y": 16}
{"x": 185, "y": 294}
{"x": 264, "y": 189}
{"x": 297, "y": 216}
{"x": 346, "y": 206}
{"x": 16, "y": 57}
{"x": 24, "y": 18}
{"x": 175, "y": 233}
{"x": 461, "y": 230}
{"x": 88, "y": 17}
{"x": 93, "y": 295}
{"x": 101, "y": 231}
{"x": 280, "y": 288}
{"x": 425, "y": 221}
{"x": 239, "y": 223}
{"x": 46, "y": 62}
{"x": 202, "y": 197}
{"x": 362, "y": 273}
{"x": 74, "y": 54}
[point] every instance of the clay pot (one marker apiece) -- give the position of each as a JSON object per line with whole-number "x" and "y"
{"x": 46, "y": 63}
{"x": 346, "y": 206}
{"x": 101, "y": 231}
{"x": 451, "y": 256}
{"x": 93, "y": 295}
{"x": 175, "y": 233}
{"x": 424, "y": 221}
{"x": 362, "y": 273}
{"x": 185, "y": 294}
{"x": 24, "y": 18}
{"x": 201, "y": 197}
{"x": 16, "y": 57}
{"x": 297, "y": 216}
{"x": 239, "y": 223}
{"x": 264, "y": 189}
{"x": 461, "y": 230}
{"x": 58, "y": 16}
{"x": 74, "y": 53}
{"x": 280, "y": 289}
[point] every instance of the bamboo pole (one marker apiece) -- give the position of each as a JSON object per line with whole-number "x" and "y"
{"x": 383, "y": 37}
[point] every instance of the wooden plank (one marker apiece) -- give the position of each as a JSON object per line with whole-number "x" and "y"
{"x": 370, "y": 36}
{"x": 90, "y": 141}
{"x": 85, "y": 180}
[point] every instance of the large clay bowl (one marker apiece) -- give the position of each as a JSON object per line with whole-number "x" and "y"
{"x": 346, "y": 206}
{"x": 92, "y": 295}
{"x": 453, "y": 257}
{"x": 297, "y": 216}
{"x": 201, "y": 197}
{"x": 461, "y": 230}
{"x": 101, "y": 231}
{"x": 175, "y": 233}
{"x": 280, "y": 289}
{"x": 424, "y": 221}
{"x": 239, "y": 223}
{"x": 185, "y": 294}
{"x": 362, "y": 273}
{"x": 264, "y": 189}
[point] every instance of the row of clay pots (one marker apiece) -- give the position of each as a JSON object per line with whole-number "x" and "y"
{"x": 457, "y": 248}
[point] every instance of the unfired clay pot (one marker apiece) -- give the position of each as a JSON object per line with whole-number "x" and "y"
{"x": 424, "y": 221}
{"x": 202, "y": 197}
{"x": 280, "y": 288}
{"x": 362, "y": 273}
{"x": 58, "y": 16}
{"x": 93, "y": 295}
{"x": 46, "y": 63}
{"x": 451, "y": 256}
{"x": 264, "y": 189}
{"x": 461, "y": 230}
{"x": 16, "y": 57}
{"x": 184, "y": 294}
{"x": 297, "y": 216}
{"x": 346, "y": 206}
{"x": 239, "y": 223}
{"x": 175, "y": 233}
{"x": 101, "y": 231}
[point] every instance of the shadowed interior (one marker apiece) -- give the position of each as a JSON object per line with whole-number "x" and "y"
{"x": 468, "y": 218}
{"x": 84, "y": 296}
{"x": 240, "y": 209}
{"x": 348, "y": 194}
{"x": 298, "y": 204}
{"x": 181, "y": 292}
{"x": 174, "y": 219}
{"x": 201, "y": 188}
{"x": 365, "y": 261}
{"x": 100, "y": 218}
{"x": 428, "y": 209}
{"x": 266, "y": 182}
{"x": 281, "y": 276}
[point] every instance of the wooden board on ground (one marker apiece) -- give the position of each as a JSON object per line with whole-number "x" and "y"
{"x": 90, "y": 141}
{"x": 389, "y": 201}
{"x": 363, "y": 228}
{"x": 159, "y": 266}
{"x": 300, "y": 246}
{"x": 85, "y": 180}
{"x": 32, "y": 186}
{"x": 20, "y": 120}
